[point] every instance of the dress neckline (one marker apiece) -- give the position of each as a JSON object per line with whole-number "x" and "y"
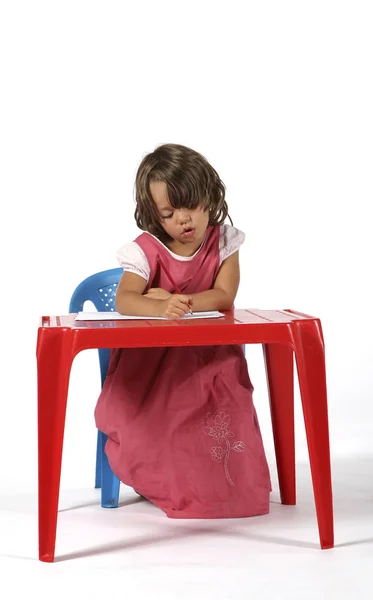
{"x": 178, "y": 256}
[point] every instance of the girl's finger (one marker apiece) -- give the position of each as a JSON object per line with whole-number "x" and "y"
{"x": 183, "y": 299}
{"x": 182, "y": 307}
{"x": 176, "y": 309}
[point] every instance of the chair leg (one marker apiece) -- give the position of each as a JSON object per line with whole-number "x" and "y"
{"x": 109, "y": 482}
{"x": 310, "y": 359}
{"x": 104, "y": 358}
{"x": 280, "y": 380}
{"x": 98, "y": 460}
{"x": 54, "y": 358}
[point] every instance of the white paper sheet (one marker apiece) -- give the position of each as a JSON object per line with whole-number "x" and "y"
{"x": 115, "y": 316}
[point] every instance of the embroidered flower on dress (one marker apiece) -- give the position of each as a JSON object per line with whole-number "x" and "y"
{"x": 217, "y": 453}
{"x": 217, "y": 427}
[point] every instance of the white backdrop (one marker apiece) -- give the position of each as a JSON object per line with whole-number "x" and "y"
{"x": 277, "y": 95}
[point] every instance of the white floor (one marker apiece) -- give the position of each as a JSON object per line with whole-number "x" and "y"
{"x": 135, "y": 551}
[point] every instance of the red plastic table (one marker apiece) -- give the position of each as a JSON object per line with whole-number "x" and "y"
{"x": 281, "y": 332}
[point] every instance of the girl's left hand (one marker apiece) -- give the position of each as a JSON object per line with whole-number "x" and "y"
{"x": 158, "y": 294}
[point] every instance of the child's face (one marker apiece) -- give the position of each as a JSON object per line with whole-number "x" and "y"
{"x": 184, "y": 225}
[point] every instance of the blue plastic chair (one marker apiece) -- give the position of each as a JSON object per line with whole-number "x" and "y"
{"x": 100, "y": 289}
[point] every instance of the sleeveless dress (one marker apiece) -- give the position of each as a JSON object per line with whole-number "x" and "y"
{"x": 181, "y": 424}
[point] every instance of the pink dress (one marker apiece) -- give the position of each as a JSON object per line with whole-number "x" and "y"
{"x": 182, "y": 427}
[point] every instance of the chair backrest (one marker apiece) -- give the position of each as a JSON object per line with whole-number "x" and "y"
{"x": 100, "y": 289}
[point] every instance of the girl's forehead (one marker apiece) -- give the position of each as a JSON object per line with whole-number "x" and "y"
{"x": 159, "y": 194}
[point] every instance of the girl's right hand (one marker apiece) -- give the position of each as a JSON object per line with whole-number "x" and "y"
{"x": 175, "y": 306}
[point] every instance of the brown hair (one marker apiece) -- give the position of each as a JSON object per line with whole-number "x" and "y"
{"x": 190, "y": 180}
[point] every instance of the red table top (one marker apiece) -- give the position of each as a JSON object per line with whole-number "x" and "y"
{"x": 249, "y": 316}
{"x": 244, "y": 326}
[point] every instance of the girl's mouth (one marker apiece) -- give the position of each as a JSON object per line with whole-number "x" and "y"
{"x": 188, "y": 232}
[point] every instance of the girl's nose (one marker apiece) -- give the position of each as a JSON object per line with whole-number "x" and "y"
{"x": 183, "y": 216}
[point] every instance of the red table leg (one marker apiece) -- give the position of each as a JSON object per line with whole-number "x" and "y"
{"x": 280, "y": 379}
{"x": 310, "y": 359}
{"x": 54, "y": 358}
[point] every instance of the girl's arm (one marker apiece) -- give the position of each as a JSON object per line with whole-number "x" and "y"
{"x": 222, "y": 296}
{"x": 130, "y": 300}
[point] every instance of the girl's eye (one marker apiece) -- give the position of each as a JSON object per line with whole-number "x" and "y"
{"x": 168, "y": 216}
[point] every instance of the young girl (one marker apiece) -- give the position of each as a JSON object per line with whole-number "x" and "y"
{"x": 181, "y": 424}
